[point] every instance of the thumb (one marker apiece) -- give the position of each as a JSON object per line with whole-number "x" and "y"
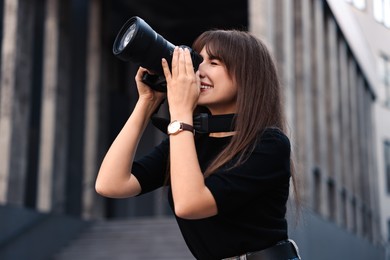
{"x": 167, "y": 72}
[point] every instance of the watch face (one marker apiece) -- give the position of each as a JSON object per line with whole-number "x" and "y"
{"x": 173, "y": 127}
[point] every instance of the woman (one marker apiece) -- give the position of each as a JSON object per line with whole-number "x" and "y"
{"x": 228, "y": 190}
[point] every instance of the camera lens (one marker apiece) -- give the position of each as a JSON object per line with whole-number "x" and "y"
{"x": 139, "y": 43}
{"x": 128, "y": 35}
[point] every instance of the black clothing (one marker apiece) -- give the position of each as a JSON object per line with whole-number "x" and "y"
{"x": 251, "y": 198}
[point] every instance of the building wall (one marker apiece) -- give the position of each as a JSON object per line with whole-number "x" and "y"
{"x": 377, "y": 41}
{"x": 378, "y": 37}
{"x": 382, "y": 114}
{"x": 329, "y": 103}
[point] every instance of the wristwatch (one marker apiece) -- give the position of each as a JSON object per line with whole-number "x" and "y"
{"x": 176, "y": 127}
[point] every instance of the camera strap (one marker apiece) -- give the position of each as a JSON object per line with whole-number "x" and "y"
{"x": 203, "y": 123}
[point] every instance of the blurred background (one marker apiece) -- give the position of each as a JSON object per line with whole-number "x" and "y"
{"x": 64, "y": 97}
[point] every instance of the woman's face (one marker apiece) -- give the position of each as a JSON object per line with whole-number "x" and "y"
{"x": 218, "y": 92}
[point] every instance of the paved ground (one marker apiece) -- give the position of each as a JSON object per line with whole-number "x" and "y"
{"x": 143, "y": 239}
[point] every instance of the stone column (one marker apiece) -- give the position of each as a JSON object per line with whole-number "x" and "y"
{"x": 16, "y": 78}
{"x": 54, "y": 115}
{"x": 360, "y": 191}
{"x": 288, "y": 66}
{"x": 354, "y": 166}
{"x": 367, "y": 180}
{"x": 333, "y": 118}
{"x": 92, "y": 204}
{"x": 345, "y": 126}
{"x": 303, "y": 94}
{"x": 321, "y": 88}
{"x": 372, "y": 174}
{"x": 261, "y": 19}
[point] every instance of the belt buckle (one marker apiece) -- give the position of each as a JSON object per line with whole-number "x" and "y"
{"x": 239, "y": 257}
{"x": 295, "y": 247}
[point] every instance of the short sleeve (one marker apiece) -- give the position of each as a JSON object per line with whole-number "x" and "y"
{"x": 151, "y": 169}
{"x": 266, "y": 171}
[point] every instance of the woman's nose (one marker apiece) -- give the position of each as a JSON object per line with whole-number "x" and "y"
{"x": 200, "y": 70}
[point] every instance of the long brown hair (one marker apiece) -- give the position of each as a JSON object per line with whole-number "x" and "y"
{"x": 259, "y": 97}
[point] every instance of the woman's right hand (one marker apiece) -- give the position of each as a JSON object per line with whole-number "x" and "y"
{"x": 145, "y": 92}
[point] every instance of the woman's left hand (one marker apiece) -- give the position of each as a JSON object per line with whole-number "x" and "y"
{"x": 182, "y": 84}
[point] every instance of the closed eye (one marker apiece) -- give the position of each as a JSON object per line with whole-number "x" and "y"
{"x": 215, "y": 62}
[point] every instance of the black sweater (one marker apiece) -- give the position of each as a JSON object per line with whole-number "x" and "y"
{"x": 251, "y": 198}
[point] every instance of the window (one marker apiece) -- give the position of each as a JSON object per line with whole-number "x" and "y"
{"x": 384, "y": 74}
{"x": 354, "y": 215}
{"x": 344, "y": 201}
{"x": 387, "y": 165}
{"x": 388, "y": 230}
{"x": 317, "y": 189}
{"x": 360, "y": 4}
{"x": 382, "y": 11}
{"x": 332, "y": 199}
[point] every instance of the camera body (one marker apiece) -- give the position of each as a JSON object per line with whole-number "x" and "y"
{"x": 139, "y": 43}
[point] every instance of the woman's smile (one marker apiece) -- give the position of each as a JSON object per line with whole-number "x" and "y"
{"x": 204, "y": 87}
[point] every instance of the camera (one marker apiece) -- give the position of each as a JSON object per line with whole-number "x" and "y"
{"x": 139, "y": 43}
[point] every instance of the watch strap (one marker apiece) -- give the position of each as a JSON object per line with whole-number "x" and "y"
{"x": 186, "y": 127}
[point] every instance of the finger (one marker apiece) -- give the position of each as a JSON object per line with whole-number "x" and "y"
{"x": 182, "y": 62}
{"x": 141, "y": 71}
{"x": 175, "y": 61}
{"x": 167, "y": 72}
{"x": 188, "y": 61}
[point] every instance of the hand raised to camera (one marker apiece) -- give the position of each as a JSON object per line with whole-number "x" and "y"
{"x": 182, "y": 83}
{"x": 145, "y": 92}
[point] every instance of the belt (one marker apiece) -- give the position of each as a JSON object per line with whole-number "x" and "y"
{"x": 283, "y": 250}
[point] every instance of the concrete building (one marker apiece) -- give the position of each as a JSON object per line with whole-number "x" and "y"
{"x": 64, "y": 96}
{"x": 372, "y": 19}
{"x": 366, "y": 25}
{"x": 331, "y": 86}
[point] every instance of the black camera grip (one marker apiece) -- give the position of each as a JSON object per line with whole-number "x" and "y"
{"x": 155, "y": 81}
